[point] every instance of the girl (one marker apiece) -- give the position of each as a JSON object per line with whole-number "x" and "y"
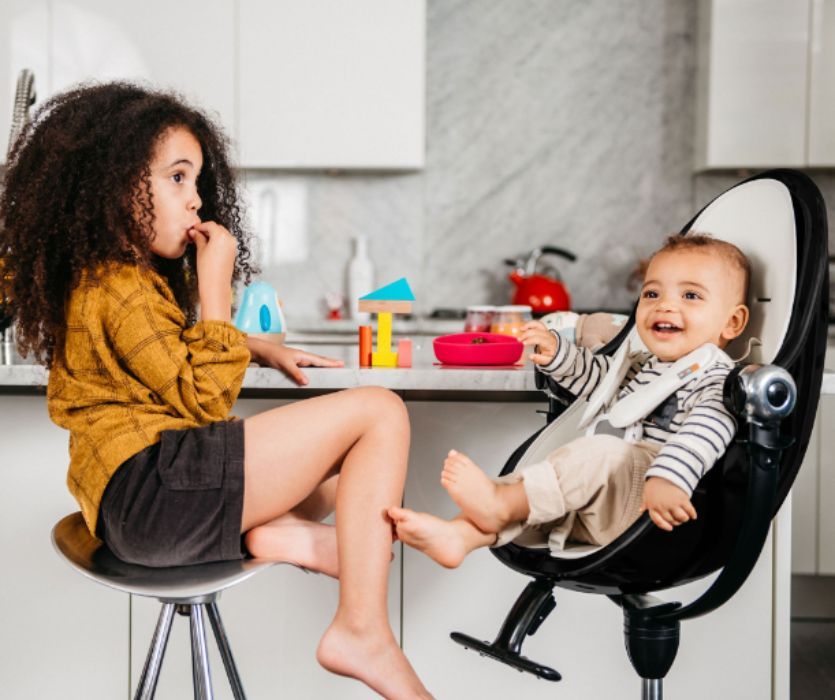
{"x": 119, "y": 215}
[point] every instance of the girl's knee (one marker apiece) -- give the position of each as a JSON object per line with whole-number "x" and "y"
{"x": 381, "y": 404}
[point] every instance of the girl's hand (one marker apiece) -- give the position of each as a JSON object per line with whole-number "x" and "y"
{"x": 287, "y": 359}
{"x": 216, "y": 253}
{"x": 545, "y": 344}
{"x": 667, "y": 504}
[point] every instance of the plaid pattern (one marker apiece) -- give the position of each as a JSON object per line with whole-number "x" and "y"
{"x": 131, "y": 369}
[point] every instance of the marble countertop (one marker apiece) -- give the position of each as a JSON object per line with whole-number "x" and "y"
{"x": 426, "y": 375}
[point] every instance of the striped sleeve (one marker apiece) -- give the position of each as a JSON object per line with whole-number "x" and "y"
{"x": 702, "y": 439}
{"x": 576, "y": 369}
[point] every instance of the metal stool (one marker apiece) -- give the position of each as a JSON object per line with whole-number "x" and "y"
{"x": 190, "y": 590}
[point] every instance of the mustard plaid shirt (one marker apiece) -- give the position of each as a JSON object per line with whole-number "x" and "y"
{"x": 131, "y": 369}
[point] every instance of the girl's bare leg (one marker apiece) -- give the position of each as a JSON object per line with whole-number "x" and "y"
{"x": 298, "y": 536}
{"x": 289, "y": 451}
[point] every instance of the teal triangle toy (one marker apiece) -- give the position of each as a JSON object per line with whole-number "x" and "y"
{"x": 396, "y": 291}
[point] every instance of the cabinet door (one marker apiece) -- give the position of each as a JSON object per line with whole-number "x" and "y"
{"x": 752, "y": 83}
{"x": 822, "y": 84}
{"x": 24, "y": 38}
{"x": 826, "y": 484}
{"x": 330, "y": 84}
{"x": 274, "y": 622}
{"x": 186, "y": 45}
{"x": 805, "y": 508}
{"x": 61, "y": 635}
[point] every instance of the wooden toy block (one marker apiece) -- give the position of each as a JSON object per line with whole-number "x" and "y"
{"x": 384, "y": 357}
{"x": 374, "y": 306}
{"x": 404, "y": 352}
{"x": 396, "y": 297}
{"x": 396, "y": 291}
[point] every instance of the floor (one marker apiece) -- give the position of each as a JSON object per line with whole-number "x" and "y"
{"x": 812, "y": 659}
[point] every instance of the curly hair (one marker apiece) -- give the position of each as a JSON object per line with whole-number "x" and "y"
{"x": 78, "y": 194}
{"x": 704, "y": 242}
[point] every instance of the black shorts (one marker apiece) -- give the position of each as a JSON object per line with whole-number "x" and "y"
{"x": 180, "y": 500}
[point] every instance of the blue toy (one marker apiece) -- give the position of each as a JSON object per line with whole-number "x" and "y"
{"x": 260, "y": 313}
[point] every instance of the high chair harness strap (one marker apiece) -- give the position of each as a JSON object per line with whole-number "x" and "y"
{"x": 643, "y": 401}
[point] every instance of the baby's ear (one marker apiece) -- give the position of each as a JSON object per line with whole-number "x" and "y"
{"x": 737, "y": 322}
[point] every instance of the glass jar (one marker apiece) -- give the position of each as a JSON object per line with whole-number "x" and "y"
{"x": 510, "y": 319}
{"x": 479, "y": 319}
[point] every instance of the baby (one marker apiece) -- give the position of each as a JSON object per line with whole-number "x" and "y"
{"x": 593, "y": 488}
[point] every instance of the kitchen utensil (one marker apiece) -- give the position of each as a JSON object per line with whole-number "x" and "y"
{"x": 477, "y": 349}
{"x": 537, "y": 286}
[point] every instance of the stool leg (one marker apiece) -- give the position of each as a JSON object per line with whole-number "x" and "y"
{"x": 200, "y": 655}
{"x": 147, "y": 685}
{"x": 225, "y": 651}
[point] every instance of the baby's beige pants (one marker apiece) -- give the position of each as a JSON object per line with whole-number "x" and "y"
{"x": 589, "y": 490}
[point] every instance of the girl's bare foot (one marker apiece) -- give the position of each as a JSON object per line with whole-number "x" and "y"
{"x": 445, "y": 541}
{"x": 474, "y": 493}
{"x": 371, "y": 656}
{"x": 297, "y": 541}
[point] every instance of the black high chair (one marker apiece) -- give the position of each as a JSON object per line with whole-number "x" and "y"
{"x": 778, "y": 219}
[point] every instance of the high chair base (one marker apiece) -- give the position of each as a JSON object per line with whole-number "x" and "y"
{"x": 528, "y": 612}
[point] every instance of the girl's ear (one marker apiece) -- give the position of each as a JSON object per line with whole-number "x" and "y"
{"x": 736, "y": 323}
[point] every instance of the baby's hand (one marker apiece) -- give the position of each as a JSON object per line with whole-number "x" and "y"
{"x": 545, "y": 344}
{"x": 667, "y": 504}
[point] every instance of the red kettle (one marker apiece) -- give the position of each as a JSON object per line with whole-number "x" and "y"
{"x": 537, "y": 286}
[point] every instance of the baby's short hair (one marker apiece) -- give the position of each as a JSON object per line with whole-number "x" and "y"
{"x": 706, "y": 243}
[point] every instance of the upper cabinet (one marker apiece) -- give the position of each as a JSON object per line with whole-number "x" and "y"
{"x": 187, "y": 46}
{"x": 332, "y": 84}
{"x": 323, "y": 84}
{"x": 765, "y": 84}
{"x": 822, "y": 84}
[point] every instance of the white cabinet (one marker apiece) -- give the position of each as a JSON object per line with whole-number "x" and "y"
{"x": 765, "y": 83}
{"x": 296, "y": 83}
{"x": 24, "y": 40}
{"x": 188, "y": 45}
{"x": 61, "y": 635}
{"x": 822, "y": 84}
{"x": 752, "y": 83}
{"x": 330, "y": 84}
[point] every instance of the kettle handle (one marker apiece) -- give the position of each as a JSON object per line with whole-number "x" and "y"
{"x": 562, "y": 252}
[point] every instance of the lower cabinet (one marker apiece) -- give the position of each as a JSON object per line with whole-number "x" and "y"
{"x": 61, "y": 636}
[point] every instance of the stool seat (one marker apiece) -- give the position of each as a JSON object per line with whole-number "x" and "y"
{"x": 91, "y": 558}
{"x": 190, "y": 590}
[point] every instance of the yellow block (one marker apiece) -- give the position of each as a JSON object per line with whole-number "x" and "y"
{"x": 383, "y": 333}
{"x": 384, "y": 359}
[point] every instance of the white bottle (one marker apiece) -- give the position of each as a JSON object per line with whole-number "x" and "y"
{"x": 360, "y": 279}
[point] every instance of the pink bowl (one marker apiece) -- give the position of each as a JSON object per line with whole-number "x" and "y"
{"x": 489, "y": 349}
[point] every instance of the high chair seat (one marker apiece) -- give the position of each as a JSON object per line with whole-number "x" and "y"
{"x": 190, "y": 590}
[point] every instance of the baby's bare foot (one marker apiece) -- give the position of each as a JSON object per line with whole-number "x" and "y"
{"x": 373, "y": 657}
{"x": 297, "y": 541}
{"x": 438, "y": 539}
{"x": 473, "y": 492}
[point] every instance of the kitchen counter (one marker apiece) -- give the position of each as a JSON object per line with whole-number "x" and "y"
{"x": 425, "y": 379}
